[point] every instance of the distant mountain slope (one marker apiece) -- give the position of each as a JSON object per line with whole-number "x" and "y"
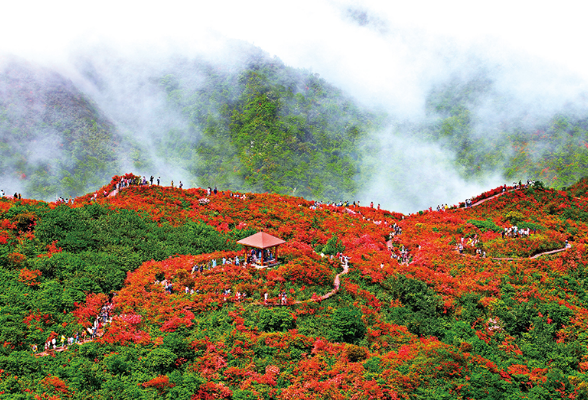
{"x": 474, "y": 121}
{"x": 269, "y": 127}
{"x": 53, "y": 138}
{"x": 246, "y": 121}
{"x": 253, "y": 124}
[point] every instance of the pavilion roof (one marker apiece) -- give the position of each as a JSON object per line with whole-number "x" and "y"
{"x": 261, "y": 240}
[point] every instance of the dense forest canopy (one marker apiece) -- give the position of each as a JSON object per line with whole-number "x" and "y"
{"x": 250, "y": 122}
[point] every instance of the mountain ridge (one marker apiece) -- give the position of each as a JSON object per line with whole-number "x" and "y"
{"x": 249, "y": 122}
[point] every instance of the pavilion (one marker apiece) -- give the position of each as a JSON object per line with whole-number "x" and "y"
{"x": 263, "y": 241}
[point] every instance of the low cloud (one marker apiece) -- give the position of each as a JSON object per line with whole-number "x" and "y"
{"x": 388, "y": 57}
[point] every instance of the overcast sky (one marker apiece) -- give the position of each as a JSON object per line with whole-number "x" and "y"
{"x": 397, "y": 41}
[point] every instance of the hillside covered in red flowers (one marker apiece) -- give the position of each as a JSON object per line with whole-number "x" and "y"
{"x": 484, "y": 302}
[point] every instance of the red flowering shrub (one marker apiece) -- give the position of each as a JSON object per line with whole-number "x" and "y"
{"x": 125, "y": 329}
{"x": 86, "y": 313}
{"x": 307, "y": 271}
{"x": 161, "y": 383}
{"x": 29, "y": 277}
{"x": 211, "y": 390}
{"x": 51, "y": 249}
{"x": 55, "y": 385}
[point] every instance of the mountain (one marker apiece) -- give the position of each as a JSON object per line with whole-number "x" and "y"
{"x": 520, "y": 143}
{"x": 243, "y": 120}
{"x": 54, "y": 139}
{"x": 412, "y": 316}
{"x": 253, "y": 124}
{"x": 269, "y": 127}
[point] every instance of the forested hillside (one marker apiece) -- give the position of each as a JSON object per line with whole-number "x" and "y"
{"x": 258, "y": 126}
{"x": 456, "y": 303}
{"x": 552, "y": 148}
{"x": 53, "y": 138}
{"x": 252, "y": 123}
{"x": 270, "y": 128}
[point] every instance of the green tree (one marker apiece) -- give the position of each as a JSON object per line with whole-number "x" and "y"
{"x": 347, "y": 325}
{"x": 275, "y": 320}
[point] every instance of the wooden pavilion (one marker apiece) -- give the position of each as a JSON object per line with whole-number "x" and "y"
{"x": 264, "y": 242}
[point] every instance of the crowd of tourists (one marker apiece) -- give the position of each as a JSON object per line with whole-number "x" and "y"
{"x": 213, "y": 263}
{"x": 282, "y": 299}
{"x": 60, "y": 343}
{"x": 16, "y": 196}
{"x": 470, "y": 242}
{"x": 318, "y": 203}
{"x": 62, "y": 200}
{"x": 515, "y": 232}
{"x": 142, "y": 181}
{"x": 521, "y": 185}
{"x": 396, "y": 230}
{"x": 402, "y": 258}
{"x": 515, "y": 185}
{"x": 54, "y": 344}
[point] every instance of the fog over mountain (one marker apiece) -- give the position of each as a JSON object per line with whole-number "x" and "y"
{"x": 447, "y": 102}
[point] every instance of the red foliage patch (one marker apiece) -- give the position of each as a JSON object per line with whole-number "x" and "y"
{"x": 29, "y": 277}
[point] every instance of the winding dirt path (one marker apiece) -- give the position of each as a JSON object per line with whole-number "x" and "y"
{"x": 521, "y": 258}
{"x": 479, "y": 202}
{"x": 532, "y": 257}
{"x": 51, "y": 352}
{"x": 336, "y": 285}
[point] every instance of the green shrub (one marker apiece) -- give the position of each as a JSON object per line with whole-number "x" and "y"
{"x": 333, "y": 246}
{"x": 275, "y": 320}
{"x": 531, "y": 226}
{"x": 575, "y": 214}
{"x": 347, "y": 325}
{"x": 539, "y": 185}
{"x": 485, "y": 225}
{"x": 159, "y": 360}
{"x": 515, "y": 217}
